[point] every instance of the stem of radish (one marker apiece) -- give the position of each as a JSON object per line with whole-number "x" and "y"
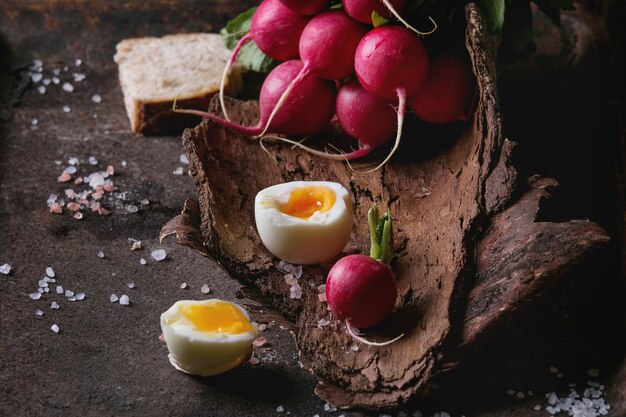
{"x": 227, "y": 68}
{"x": 380, "y": 235}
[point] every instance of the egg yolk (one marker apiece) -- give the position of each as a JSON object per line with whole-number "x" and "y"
{"x": 217, "y": 318}
{"x": 305, "y": 201}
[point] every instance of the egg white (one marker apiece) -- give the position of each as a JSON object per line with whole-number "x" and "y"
{"x": 203, "y": 353}
{"x": 317, "y": 239}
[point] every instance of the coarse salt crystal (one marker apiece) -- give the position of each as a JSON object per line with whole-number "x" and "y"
{"x": 96, "y": 180}
{"x": 322, "y": 323}
{"x": 56, "y": 80}
{"x": 537, "y": 407}
{"x": 280, "y": 409}
{"x": 55, "y": 305}
{"x": 40, "y": 290}
{"x": 68, "y": 87}
{"x": 35, "y": 296}
{"x": 39, "y": 313}
{"x": 510, "y": 391}
{"x": 131, "y": 208}
{"x": 93, "y": 160}
{"x": 66, "y": 109}
{"x": 124, "y": 300}
{"x": 330, "y": 408}
{"x": 80, "y": 296}
{"x": 47, "y": 81}
{"x": 521, "y": 395}
{"x": 142, "y": 261}
{"x": 56, "y": 71}
{"x": 71, "y": 169}
{"x": 64, "y": 177}
{"x": 78, "y": 62}
{"x": 183, "y": 159}
{"x": 136, "y": 244}
{"x": 183, "y": 285}
{"x": 554, "y": 369}
{"x": 43, "y": 283}
{"x": 78, "y": 215}
{"x": 131, "y": 285}
{"x": 100, "y": 254}
{"x": 56, "y": 208}
{"x": 259, "y": 341}
{"x": 41, "y": 89}
{"x": 354, "y": 348}
{"x": 158, "y": 255}
{"x": 5, "y": 269}
{"x": 96, "y": 98}
{"x": 205, "y": 289}
{"x": 113, "y": 298}
{"x": 55, "y": 328}
{"x": 79, "y": 77}
{"x": 47, "y": 289}
{"x": 60, "y": 289}
{"x": 178, "y": 171}
{"x": 36, "y": 77}
{"x": 69, "y": 293}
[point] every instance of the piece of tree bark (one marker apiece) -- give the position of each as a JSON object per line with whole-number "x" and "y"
{"x": 438, "y": 205}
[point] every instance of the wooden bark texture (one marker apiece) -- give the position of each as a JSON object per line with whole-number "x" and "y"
{"x": 438, "y": 203}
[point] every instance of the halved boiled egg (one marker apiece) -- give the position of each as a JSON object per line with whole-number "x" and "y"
{"x": 304, "y": 222}
{"x": 207, "y": 337}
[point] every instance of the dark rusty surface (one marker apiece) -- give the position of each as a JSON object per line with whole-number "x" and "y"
{"x": 107, "y": 359}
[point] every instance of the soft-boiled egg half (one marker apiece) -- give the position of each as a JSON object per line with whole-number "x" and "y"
{"x": 304, "y": 222}
{"x": 207, "y": 337}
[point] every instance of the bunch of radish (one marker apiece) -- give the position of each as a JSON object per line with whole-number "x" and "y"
{"x": 336, "y": 63}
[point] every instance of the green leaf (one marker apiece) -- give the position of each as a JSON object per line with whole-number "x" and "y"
{"x": 250, "y": 56}
{"x": 378, "y": 20}
{"x": 493, "y": 12}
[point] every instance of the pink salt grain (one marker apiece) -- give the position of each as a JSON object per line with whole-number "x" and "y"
{"x": 64, "y": 177}
{"x": 97, "y": 195}
{"x": 73, "y": 206}
{"x": 78, "y": 180}
{"x": 109, "y": 188}
{"x": 56, "y": 208}
{"x": 260, "y": 341}
{"x": 103, "y": 212}
{"x": 110, "y": 170}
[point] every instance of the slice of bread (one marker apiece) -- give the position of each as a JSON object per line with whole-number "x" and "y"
{"x": 154, "y": 72}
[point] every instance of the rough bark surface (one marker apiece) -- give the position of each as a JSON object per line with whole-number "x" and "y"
{"x": 438, "y": 204}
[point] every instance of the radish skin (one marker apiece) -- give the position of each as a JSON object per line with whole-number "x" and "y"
{"x": 306, "y": 7}
{"x": 276, "y": 30}
{"x": 327, "y": 47}
{"x": 448, "y": 93}
{"x": 361, "y": 10}
{"x": 296, "y": 117}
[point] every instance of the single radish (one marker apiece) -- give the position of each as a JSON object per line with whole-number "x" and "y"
{"x": 391, "y": 62}
{"x": 306, "y": 7}
{"x": 327, "y": 47}
{"x": 362, "y": 11}
{"x": 361, "y": 290}
{"x": 355, "y": 108}
{"x": 276, "y": 30}
{"x": 309, "y": 109}
{"x": 448, "y": 93}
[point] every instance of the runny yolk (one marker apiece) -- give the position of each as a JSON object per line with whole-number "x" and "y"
{"x": 305, "y": 201}
{"x": 217, "y": 317}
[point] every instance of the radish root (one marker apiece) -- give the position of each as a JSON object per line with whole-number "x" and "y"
{"x": 358, "y": 338}
{"x": 229, "y": 64}
{"x": 405, "y": 23}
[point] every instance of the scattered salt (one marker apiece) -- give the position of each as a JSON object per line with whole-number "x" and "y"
{"x": 78, "y": 62}
{"x": 183, "y": 285}
{"x": 47, "y": 81}
{"x": 36, "y": 77}
{"x": 510, "y": 391}
{"x": 41, "y": 89}
{"x": 60, "y": 289}
{"x": 295, "y": 291}
{"x": 183, "y": 159}
{"x": 68, "y": 87}
{"x": 537, "y": 407}
{"x": 280, "y": 409}
{"x": 330, "y": 408}
{"x": 124, "y": 300}
{"x": 142, "y": 261}
{"x": 79, "y": 77}
{"x": 5, "y": 269}
{"x": 96, "y": 180}
{"x": 66, "y": 109}
{"x": 71, "y": 169}
{"x": 205, "y": 289}
{"x": 259, "y": 341}
{"x": 130, "y": 285}
{"x": 521, "y": 395}
{"x": 56, "y": 71}
{"x": 69, "y": 293}
{"x": 50, "y": 272}
{"x": 96, "y": 98}
{"x": 178, "y": 171}
{"x": 40, "y": 290}
{"x": 131, "y": 208}
{"x": 93, "y": 160}
{"x": 55, "y": 328}
{"x": 100, "y": 254}
{"x": 113, "y": 298}
{"x": 354, "y": 347}
{"x": 56, "y": 80}
{"x": 43, "y": 283}
{"x": 64, "y": 177}
{"x": 55, "y": 305}
{"x": 135, "y": 244}
{"x": 39, "y": 313}
{"x": 158, "y": 255}
{"x": 554, "y": 369}
{"x": 35, "y": 295}
{"x": 322, "y": 323}
{"x": 80, "y": 296}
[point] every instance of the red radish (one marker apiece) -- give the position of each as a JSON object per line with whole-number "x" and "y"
{"x": 448, "y": 94}
{"x": 276, "y": 30}
{"x": 355, "y": 108}
{"x": 361, "y": 10}
{"x": 307, "y": 7}
{"x": 306, "y": 112}
{"x": 391, "y": 62}
{"x": 327, "y": 46}
{"x": 361, "y": 290}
